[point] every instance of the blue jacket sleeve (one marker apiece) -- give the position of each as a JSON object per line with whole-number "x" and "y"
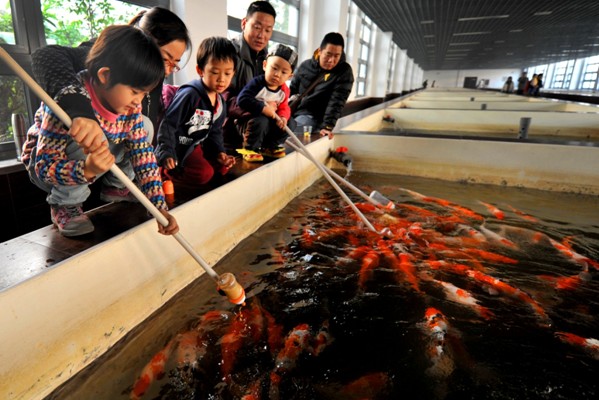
{"x": 174, "y": 123}
{"x": 247, "y": 97}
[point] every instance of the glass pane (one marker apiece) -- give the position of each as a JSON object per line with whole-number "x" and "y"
{"x": 12, "y": 101}
{"x": 7, "y": 32}
{"x": 362, "y": 71}
{"x": 238, "y": 8}
{"x": 364, "y": 52}
{"x": 287, "y": 18}
{"x": 70, "y": 22}
{"x": 361, "y": 89}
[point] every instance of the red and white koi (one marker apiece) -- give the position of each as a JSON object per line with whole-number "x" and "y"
{"x": 497, "y": 237}
{"x": 435, "y": 327}
{"x": 574, "y": 256}
{"x": 461, "y": 296}
{"x": 497, "y": 213}
{"x": 590, "y": 345}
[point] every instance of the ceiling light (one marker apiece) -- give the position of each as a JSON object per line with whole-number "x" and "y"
{"x": 460, "y": 50}
{"x": 470, "y": 33}
{"x": 499, "y": 41}
{"x": 429, "y": 36}
{"x": 515, "y": 30}
{"x": 486, "y": 17}
{"x": 429, "y": 21}
{"x": 463, "y": 44}
{"x": 540, "y": 13}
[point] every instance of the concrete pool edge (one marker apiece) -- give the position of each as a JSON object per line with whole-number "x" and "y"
{"x": 58, "y": 322}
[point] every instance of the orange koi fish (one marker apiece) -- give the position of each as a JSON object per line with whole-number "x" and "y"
{"x": 462, "y": 296}
{"x": 497, "y": 213}
{"x": 369, "y": 262}
{"x": 445, "y": 203}
{"x": 574, "y": 256}
{"x": 153, "y": 371}
{"x": 322, "y": 339}
{"x": 436, "y": 326}
{"x": 369, "y": 386}
{"x": 522, "y": 214}
{"x": 503, "y": 287}
{"x": 489, "y": 256}
{"x": 497, "y": 237}
{"x": 567, "y": 282}
{"x": 590, "y": 345}
{"x": 296, "y": 343}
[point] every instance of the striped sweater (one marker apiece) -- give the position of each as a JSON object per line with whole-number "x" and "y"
{"x": 53, "y": 166}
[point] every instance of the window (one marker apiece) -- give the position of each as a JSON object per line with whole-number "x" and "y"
{"x": 391, "y": 72}
{"x": 365, "y": 35}
{"x": 562, "y": 75}
{"x": 286, "y": 24}
{"x": 26, "y": 25}
{"x": 590, "y": 72}
{"x": 7, "y": 31}
{"x": 76, "y": 21}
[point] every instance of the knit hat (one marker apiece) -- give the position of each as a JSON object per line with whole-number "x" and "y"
{"x": 287, "y": 53}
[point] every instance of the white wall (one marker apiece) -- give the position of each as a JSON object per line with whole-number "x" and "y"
{"x": 455, "y": 78}
{"x": 200, "y": 25}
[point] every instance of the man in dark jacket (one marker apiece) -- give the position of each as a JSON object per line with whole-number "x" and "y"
{"x": 322, "y": 85}
{"x": 252, "y": 48}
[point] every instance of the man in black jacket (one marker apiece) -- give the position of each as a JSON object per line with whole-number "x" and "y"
{"x": 321, "y": 86}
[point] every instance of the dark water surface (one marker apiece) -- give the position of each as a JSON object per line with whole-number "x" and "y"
{"x": 367, "y": 295}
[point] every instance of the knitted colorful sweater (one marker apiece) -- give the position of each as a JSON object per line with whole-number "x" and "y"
{"x": 53, "y": 166}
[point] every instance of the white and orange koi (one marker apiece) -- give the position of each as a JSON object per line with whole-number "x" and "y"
{"x": 435, "y": 327}
{"x": 297, "y": 342}
{"x": 369, "y": 262}
{"x": 153, "y": 371}
{"x": 574, "y": 256}
{"x": 497, "y": 237}
{"x": 522, "y": 214}
{"x": 461, "y": 296}
{"x": 497, "y": 213}
{"x": 590, "y": 345}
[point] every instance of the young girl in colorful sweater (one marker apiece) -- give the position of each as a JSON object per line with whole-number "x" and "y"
{"x": 122, "y": 67}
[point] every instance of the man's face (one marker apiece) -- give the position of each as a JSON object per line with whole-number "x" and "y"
{"x": 329, "y": 56}
{"x": 257, "y": 30}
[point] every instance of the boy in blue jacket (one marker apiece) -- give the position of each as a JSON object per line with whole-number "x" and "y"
{"x": 190, "y": 138}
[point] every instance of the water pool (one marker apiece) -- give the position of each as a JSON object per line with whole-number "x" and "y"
{"x": 313, "y": 264}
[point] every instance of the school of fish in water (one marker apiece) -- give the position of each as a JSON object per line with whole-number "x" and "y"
{"x": 350, "y": 314}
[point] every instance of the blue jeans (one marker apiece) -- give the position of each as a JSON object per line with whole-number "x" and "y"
{"x": 76, "y": 194}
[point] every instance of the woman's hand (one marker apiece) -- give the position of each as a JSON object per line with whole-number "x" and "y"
{"x": 170, "y": 163}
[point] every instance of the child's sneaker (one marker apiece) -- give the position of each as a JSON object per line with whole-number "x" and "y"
{"x": 252, "y": 156}
{"x": 279, "y": 152}
{"x": 111, "y": 194}
{"x": 70, "y": 220}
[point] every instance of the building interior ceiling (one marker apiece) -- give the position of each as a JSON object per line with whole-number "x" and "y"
{"x": 488, "y": 34}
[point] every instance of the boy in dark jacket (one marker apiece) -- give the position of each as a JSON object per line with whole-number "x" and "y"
{"x": 321, "y": 106}
{"x": 190, "y": 138}
{"x": 265, "y": 98}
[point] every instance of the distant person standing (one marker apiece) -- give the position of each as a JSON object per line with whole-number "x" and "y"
{"x": 537, "y": 88}
{"x": 508, "y": 86}
{"x": 425, "y": 84}
{"x": 321, "y": 85}
{"x": 522, "y": 82}
{"x": 532, "y": 85}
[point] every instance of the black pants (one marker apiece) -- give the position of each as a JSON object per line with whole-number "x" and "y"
{"x": 263, "y": 133}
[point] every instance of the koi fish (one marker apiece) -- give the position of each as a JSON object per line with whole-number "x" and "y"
{"x": 567, "y": 282}
{"x": 436, "y": 326}
{"x": 153, "y": 371}
{"x": 296, "y": 343}
{"x": 590, "y": 345}
{"x": 369, "y": 262}
{"x": 369, "y": 386}
{"x": 522, "y": 214}
{"x": 497, "y": 213}
{"x": 322, "y": 339}
{"x": 447, "y": 204}
{"x": 574, "y": 256}
{"x": 497, "y": 237}
{"x": 489, "y": 256}
{"x": 461, "y": 296}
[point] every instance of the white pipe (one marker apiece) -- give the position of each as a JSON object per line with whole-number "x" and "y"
{"x": 64, "y": 117}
